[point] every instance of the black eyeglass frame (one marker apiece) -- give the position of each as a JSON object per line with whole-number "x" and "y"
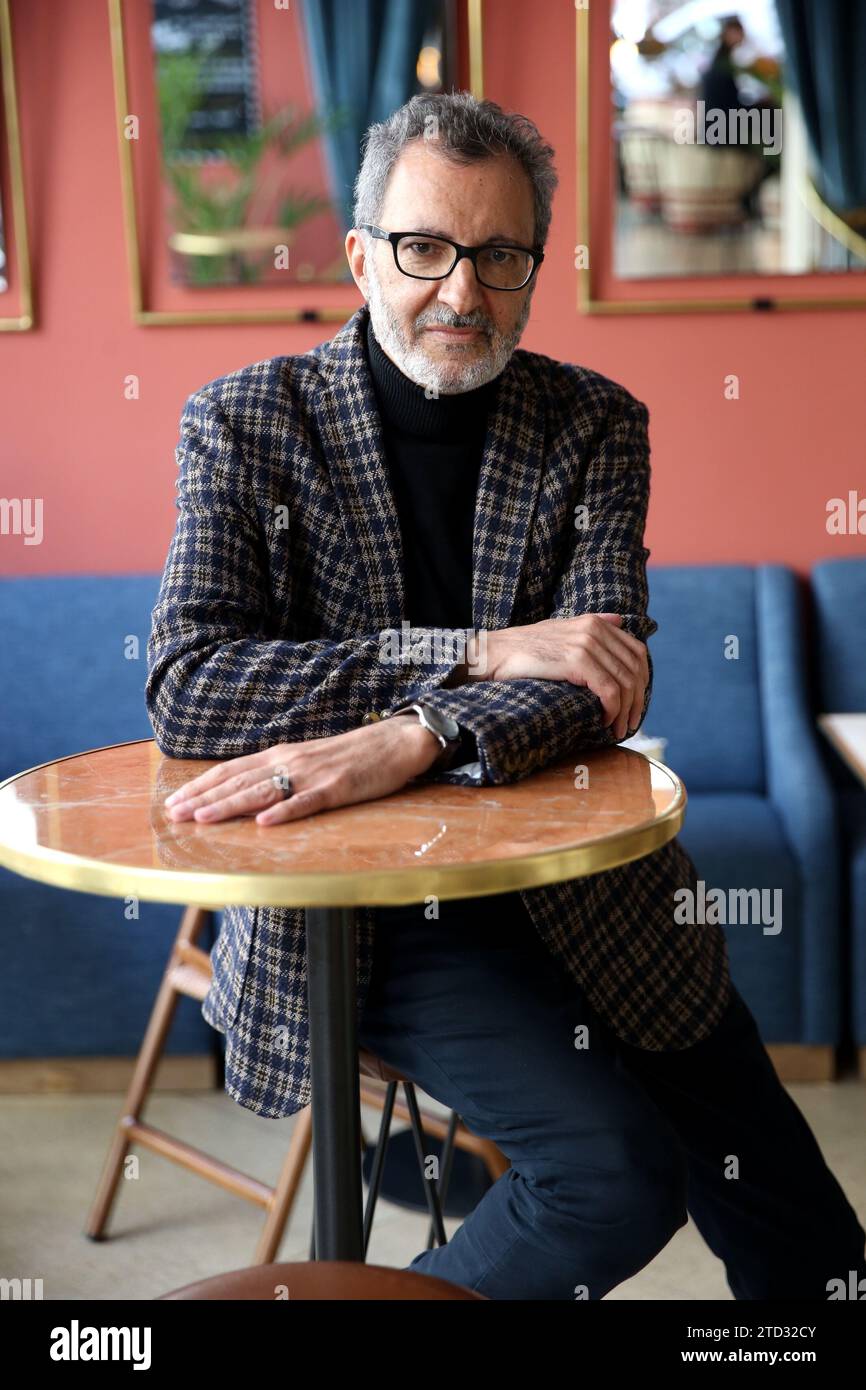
{"x": 471, "y": 252}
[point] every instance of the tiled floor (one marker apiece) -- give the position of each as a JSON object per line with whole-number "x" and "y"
{"x": 170, "y": 1228}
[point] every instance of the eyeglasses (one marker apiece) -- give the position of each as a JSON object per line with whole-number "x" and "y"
{"x": 423, "y": 257}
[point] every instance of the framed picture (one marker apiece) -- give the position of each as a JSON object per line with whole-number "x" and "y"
{"x": 239, "y": 130}
{"x": 16, "y": 291}
{"x": 721, "y": 158}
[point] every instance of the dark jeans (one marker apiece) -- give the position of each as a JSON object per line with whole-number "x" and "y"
{"x": 610, "y": 1145}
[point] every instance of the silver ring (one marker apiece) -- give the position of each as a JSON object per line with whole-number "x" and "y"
{"x": 283, "y": 784}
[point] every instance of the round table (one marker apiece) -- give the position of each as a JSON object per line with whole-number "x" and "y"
{"x": 95, "y": 822}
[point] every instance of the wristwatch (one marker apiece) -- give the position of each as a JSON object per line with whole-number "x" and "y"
{"x": 445, "y": 729}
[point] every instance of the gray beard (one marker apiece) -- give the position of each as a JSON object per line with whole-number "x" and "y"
{"x": 442, "y": 379}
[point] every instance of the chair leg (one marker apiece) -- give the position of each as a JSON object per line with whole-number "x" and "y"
{"x": 430, "y": 1186}
{"x": 379, "y": 1161}
{"x": 434, "y": 1192}
{"x": 444, "y": 1171}
{"x": 286, "y": 1189}
{"x": 161, "y": 1018}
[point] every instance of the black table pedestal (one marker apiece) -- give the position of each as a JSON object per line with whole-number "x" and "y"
{"x": 332, "y": 994}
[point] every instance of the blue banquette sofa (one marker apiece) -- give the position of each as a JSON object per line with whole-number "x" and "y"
{"x": 79, "y": 979}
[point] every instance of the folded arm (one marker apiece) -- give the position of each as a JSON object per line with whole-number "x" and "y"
{"x": 521, "y": 725}
{"x": 216, "y": 686}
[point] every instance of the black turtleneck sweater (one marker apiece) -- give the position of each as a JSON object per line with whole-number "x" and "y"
{"x": 433, "y": 448}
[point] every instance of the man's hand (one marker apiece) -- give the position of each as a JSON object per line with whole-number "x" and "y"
{"x": 361, "y": 765}
{"x": 590, "y": 650}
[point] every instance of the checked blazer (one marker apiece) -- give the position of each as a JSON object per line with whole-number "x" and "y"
{"x": 284, "y": 571}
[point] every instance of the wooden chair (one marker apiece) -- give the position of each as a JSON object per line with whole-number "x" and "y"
{"x": 326, "y": 1279}
{"x": 188, "y": 973}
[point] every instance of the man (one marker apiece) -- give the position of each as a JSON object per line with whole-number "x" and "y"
{"x": 419, "y": 466}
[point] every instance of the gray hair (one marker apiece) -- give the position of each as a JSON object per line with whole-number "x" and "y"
{"x": 465, "y": 130}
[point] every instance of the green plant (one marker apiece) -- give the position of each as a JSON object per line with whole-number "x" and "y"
{"x": 234, "y": 194}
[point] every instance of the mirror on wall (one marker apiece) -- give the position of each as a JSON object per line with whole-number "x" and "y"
{"x": 261, "y": 111}
{"x": 738, "y": 138}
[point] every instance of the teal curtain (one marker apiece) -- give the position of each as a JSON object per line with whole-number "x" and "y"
{"x": 826, "y": 56}
{"x": 363, "y": 55}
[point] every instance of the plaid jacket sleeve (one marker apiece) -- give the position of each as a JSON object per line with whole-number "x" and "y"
{"x": 522, "y": 725}
{"x": 216, "y": 685}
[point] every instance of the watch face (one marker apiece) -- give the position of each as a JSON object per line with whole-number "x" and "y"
{"x": 442, "y": 723}
{"x": 452, "y": 728}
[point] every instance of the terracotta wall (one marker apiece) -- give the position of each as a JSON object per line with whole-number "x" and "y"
{"x": 744, "y": 480}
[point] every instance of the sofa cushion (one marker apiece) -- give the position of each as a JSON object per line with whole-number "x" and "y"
{"x": 706, "y": 705}
{"x": 839, "y": 595}
{"x": 737, "y": 841}
{"x": 73, "y": 662}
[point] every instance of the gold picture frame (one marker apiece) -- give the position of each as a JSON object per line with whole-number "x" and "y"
{"x": 587, "y": 300}
{"x": 145, "y": 317}
{"x": 25, "y": 320}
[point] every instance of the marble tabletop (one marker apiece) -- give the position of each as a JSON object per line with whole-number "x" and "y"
{"x": 95, "y": 821}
